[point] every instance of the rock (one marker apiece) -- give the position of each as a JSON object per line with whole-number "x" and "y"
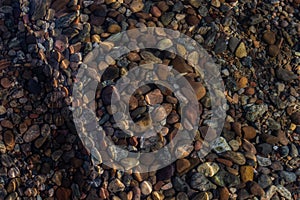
{"x": 282, "y": 137}
{"x": 65, "y": 21}
{"x": 233, "y": 44}
{"x": 224, "y": 193}
{"x": 155, "y": 11}
{"x": 200, "y": 182}
{"x": 63, "y": 193}
{"x": 271, "y": 139}
{"x": 256, "y": 111}
{"x": 9, "y": 140}
{"x": 114, "y": 28}
{"x": 273, "y": 50}
{"x": 164, "y": 44}
{"x": 116, "y": 186}
{"x": 242, "y": 82}
{"x": 216, "y": 3}
{"x": 34, "y": 87}
{"x": 249, "y": 132}
{"x": 264, "y": 181}
{"x": 180, "y": 65}
{"x": 157, "y": 196}
{"x": 209, "y": 169}
{"x": 247, "y": 173}
{"x": 196, "y": 3}
{"x": 225, "y": 179}
{"x": 192, "y": 20}
{"x": 264, "y": 162}
{"x": 256, "y": 19}
{"x": 284, "y": 151}
{"x": 295, "y": 118}
{"x": 241, "y": 51}
{"x": 235, "y": 157}
{"x": 256, "y": 189}
{"x": 269, "y": 37}
{"x": 165, "y": 173}
{"x": 284, "y": 192}
{"x": 199, "y": 89}
{"x": 166, "y": 18}
{"x": 220, "y": 145}
{"x": 154, "y": 97}
{"x": 38, "y": 9}
{"x": 264, "y": 149}
{"x": 146, "y": 188}
{"x": 5, "y": 83}
{"x": 32, "y": 133}
{"x": 289, "y": 177}
{"x": 136, "y": 6}
{"x": 182, "y": 165}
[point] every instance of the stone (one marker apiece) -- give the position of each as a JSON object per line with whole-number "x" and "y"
{"x": 216, "y": 3}
{"x": 157, "y": 195}
{"x": 116, "y": 186}
{"x": 247, "y": 173}
{"x": 114, "y": 28}
{"x": 9, "y": 140}
{"x": 269, "y": 37}
{"x": 182, "y": 165}
{"x": 273, "y": 50}
{"x": 284, "y": 192}
{"x": 166, "y": 18}
{"x": 281, "y": 135}
{"x": 264, "y": 162}
{"x": 264, "y": 181}
{"x": 289, "y": 177}
{"x": 155, "y": 11}
{"x": 146, "y": 188}
{"x": 199, "y": 89}
{"x": 192, "y": 20}
{"x": 164, "y": 44}
{"x": 249, "y": 132}
{"x": 196, "y": 3}
{"x": 32, "y": 133}
{"x": 209, "y": 169}
{"x": 241, "y": 51}
{"x": 63, "y": 193}
{"x": 264, "y": 149}
{"x": 136, "y": 6}
{"x": 225, "y": 179}
{"x": 5, "y": 83}
{"x": 285, "y": 75}
{"x": 233, "y": 44}
{"x": 295, "y": 118}
{"x": 220, "y": 145}
{"x": 235, "y": 157}
{"x": 201, "y": 183}
{"x": 224, "y": 193}
{"x": 38, "y": 9}
{"x": 242, "y": 82}
{"x": 256, "y": 189}
{"x": 154, "y": 97}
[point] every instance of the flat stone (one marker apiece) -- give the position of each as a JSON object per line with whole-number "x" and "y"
{"x": 284, "y": 192}
{"x": 249, "y": 132}
{"x": 200, "y": 182}
{"x": 32, "y": 133}
{"x": 154, "y": 97}
{"x": 256, "y": 189}
{"x": 289, "y": 177}
{"x": 224, "y": 193}
{"x": 295, "y": 118}
{"x": 209, "y": 169}
{"x": 225, "y": 179}
{"x": 9, "y": 140}
{"x": 114, "y": 28}
{"x": 235, "y": 157}
{"x": 241, "y": 51}
{"x": 220, "y": 145}
{"x": 182, "y": 165}
{"x": 269, "y": 37}
{"x": 116, "y": 186}
{"x": 146, "y": 188}
{"x": 264, "y": 181}
{"x": 247, "y": 173}
{"x": 38, "y": 8}
{"x": 264, "y": 162}
{"x": 136, "y": 6}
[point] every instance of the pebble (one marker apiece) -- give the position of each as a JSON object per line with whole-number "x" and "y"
{"x": 146, "y": 188}
{"x": 256, "y": 189}
{"x": 264, "y": 162}
{"x": 289, "y": 177}
{"x": 249, "y": 132}
{"x": 209, "y": 169}
{"x": 295, "y": 118}
{"x": 269, "y": 37}
{"x": 116, "y": 186}
{"x": 154, "y": 97}
{"x": 114, "y": 28}
{"x": 201, "y": 183}
{"x": 32, "y": 133}
{"x": 241, "y": 51}
{"x": 136, "y": 6}
{"x": 164, "y": 44}
{"x": 247, "y": 173}
{"x": 225, "y": 179}
{"x": 264, "y": 181}
{"x": 182, "y": 165}
{"x": 220, "y": 145}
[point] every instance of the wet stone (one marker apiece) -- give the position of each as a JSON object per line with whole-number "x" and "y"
{"x": 32, "y": 133}
{"x": 200, "y": 182}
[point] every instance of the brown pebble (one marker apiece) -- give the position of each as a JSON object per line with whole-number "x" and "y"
{"x": 242, "y": 82}
{"x": 114, "y": 28}
{"x": 256, "y": 189}
{"x": 273, "y": 50}
{"x": 224, "y": 193}
{"x": 155, "y": 11}
{"x": 182, "y": 165}
{"x": 5, "y": 83}
{"x": 237, "y": 127}
{"x": 192, "y": 20}
{"x": 247, "y": 173}
{"x": 9, "y": 140}
{"x": 249, "y": 132}
{"x": 269, "y": 37}
{"x": 250, "y": 91}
